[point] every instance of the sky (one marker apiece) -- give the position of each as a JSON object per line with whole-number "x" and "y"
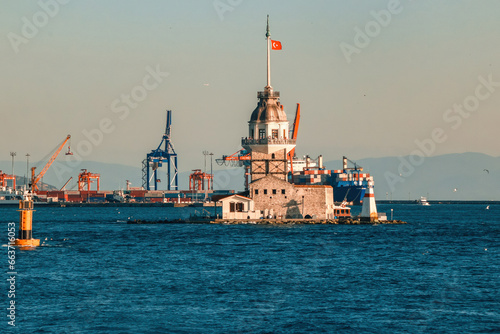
{"x": 374, "y": 78}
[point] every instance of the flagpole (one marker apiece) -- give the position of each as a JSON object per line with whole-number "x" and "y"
{"x": 268, "y": 35}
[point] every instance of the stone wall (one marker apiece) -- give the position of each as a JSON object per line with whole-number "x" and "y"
{"x": 281, "y": 199}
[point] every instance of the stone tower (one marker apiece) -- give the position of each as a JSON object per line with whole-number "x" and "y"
{"x": 268, "y": 134}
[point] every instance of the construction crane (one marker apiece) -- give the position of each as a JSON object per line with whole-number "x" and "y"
{"x": 85, "y": 179}
{"x": 63, "y": 187}
{"x": 356, "y": 166}
{"x": 4, "y": 177}
{"x": 35, "y": 179}
{"x": 295, "y": 132}
{"x": 237, "y": 159}
{"x": 158, "y": 157}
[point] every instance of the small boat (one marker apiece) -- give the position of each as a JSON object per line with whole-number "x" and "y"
{"x": 423, "y": 201}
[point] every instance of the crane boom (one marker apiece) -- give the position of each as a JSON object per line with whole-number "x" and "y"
{"x": 295, "y": 132}
{"x": 66, "y": 184}
{"x": 35, "y": 179}
{"x": 356, "y": 166}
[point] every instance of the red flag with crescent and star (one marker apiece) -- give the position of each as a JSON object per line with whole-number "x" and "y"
{"x": 275, "y": 45}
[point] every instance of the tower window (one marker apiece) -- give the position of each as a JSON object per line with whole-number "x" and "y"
{"x": 262, "y": 133}
{"x": 256, "y": 191}
{"x": 274, "y": 191}
{"x": 251, "y": 133}
{"x": 273, "y": 156}
{"x": 275, "y": 134}
{"x": 265, "y": 191}
{"x": 283, "y": 191}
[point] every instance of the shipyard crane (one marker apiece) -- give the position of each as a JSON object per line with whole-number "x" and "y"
{"x": 35, "y": 179}
{"x": 63, "y": 187}
{"x": 356, "y": 166}
{"x": 237, "y": 159}
{"x": 86, "y": 178}
{"x": 4, "y": 177}
{"x": 295, "y": 132}
{"x": 158, "y": 157}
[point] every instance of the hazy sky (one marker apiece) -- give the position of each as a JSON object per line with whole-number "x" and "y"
{"x": 372, "y": 77}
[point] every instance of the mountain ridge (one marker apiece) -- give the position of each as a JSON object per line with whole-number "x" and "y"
{"x": 453, "y": 176}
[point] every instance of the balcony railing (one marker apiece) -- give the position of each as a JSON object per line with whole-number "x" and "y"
{"x": 265, "y": 94}
{"x": 267, "y": 141}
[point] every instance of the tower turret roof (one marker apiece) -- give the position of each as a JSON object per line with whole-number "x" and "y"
{"x": 268, "y": 109}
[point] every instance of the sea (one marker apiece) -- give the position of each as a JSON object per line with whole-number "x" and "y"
{"x": 95, "y": 273}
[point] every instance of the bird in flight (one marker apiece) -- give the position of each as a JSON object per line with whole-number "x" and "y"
{"x": 487, "y": 171}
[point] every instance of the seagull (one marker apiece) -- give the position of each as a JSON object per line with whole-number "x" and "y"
{"x": 488, "y": 207}
{"x": 455, "y": 189}
{"x": 487, "y": 171}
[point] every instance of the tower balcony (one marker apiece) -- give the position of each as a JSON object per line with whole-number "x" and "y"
{"x": 268, "y": 94}
{"x": 268, "y": 145}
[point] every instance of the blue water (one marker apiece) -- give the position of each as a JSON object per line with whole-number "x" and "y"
{"x": 96, "y": 274}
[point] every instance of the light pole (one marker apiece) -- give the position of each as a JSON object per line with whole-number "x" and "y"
{"x": 27, "y": 169}
{"x": 211, "y": 169}
{"x": 205, "y": 153}
{"x": 13, "y": 154}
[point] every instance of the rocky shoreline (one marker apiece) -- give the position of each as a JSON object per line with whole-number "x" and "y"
{"x": 268, "y": 221}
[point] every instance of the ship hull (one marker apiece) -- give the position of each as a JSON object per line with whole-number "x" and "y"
{"x": 350, "y": 193}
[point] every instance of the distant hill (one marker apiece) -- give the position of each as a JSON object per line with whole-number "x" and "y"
{"x": 436, "y": 177}
{"x": 473, "y": 175}
{"x": 114, "y": 176}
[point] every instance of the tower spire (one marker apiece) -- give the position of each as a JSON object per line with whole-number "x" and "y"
{"x": 268, "y": 38}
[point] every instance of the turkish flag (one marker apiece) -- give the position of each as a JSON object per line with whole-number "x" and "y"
{"x": 275, "y": 45}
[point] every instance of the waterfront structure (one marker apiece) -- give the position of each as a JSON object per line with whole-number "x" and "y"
{"x": 369, "y": 209}
{"x": 238, "y": 207}
{"x": 269, "y": 144}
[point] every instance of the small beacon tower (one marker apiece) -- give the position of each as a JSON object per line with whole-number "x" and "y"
{"x": 369, "y": 209}
{"x": 268, "y": 138}
{"x": 25, "y": 238}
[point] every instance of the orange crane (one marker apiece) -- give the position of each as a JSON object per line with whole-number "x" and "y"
{"x": 35, "y": 179}
{"x": 197, "y": 180}
{"x": 4, "y": 177}
{"x": 62, "y": 188}
{"x": 85, "y": 178}
{"x": 237, "y": 159}
{"x": 295, "y": 131}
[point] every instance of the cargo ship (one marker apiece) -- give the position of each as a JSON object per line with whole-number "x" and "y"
{"x": 10, "y": 196}
{"x": 349, "y": 183}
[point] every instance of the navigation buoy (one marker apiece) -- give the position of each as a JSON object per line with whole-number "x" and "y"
{"x": 25, "y": 238}
{"x": 369, "y": 209}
